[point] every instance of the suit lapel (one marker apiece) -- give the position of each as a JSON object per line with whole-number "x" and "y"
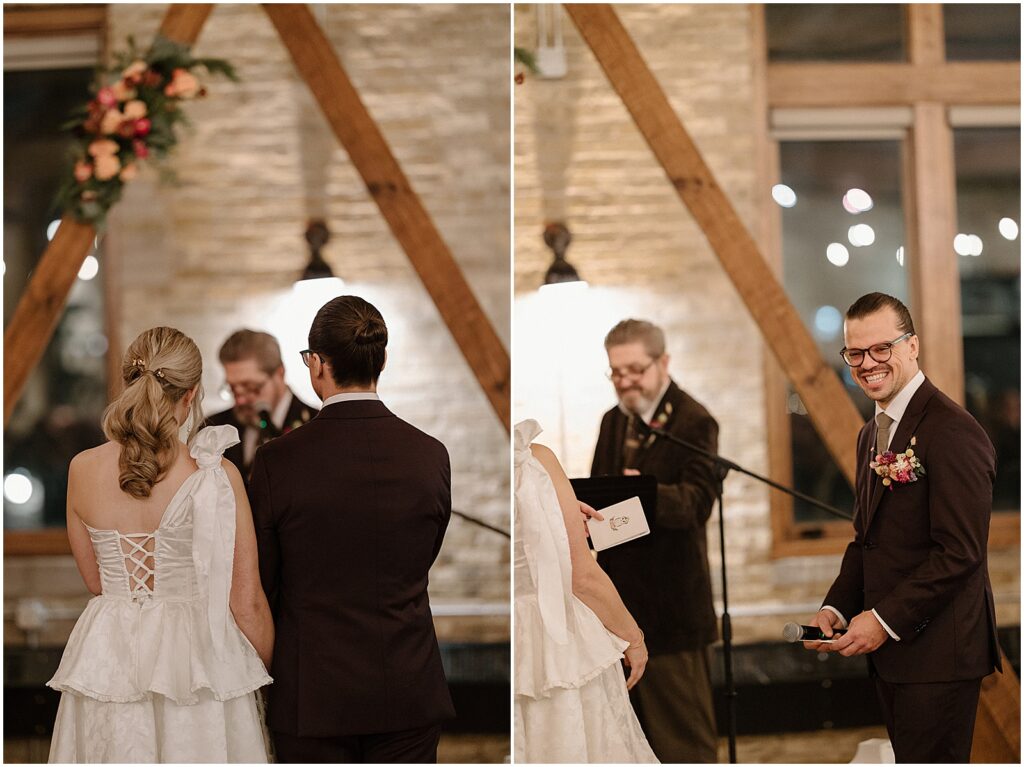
{"x": 662, "y": 419}
{"x": 906, "y": 429}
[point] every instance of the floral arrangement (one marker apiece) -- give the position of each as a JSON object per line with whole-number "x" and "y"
{"x": 130, "y": 118}
{"x": 658, "y": 422}
{"x": 900, "y": 468}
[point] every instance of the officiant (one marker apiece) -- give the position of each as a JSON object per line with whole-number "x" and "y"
{"x": 254, "y": 376}
{"x": 664, "y": 578}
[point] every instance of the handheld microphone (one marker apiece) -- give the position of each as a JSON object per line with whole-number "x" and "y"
{"x": 794, "y": 632}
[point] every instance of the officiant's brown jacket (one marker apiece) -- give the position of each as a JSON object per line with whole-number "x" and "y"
{"x": 919, "y": 557}
{"x": 350, "y": 513}
{"x": 663, "y": 578}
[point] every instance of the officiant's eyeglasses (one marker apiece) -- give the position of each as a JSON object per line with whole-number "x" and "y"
{"x": 879, "y": 352}
{"x": 243, "y": 389}
{"x": 306, "y": 354}
{"x": 633, "y": 371}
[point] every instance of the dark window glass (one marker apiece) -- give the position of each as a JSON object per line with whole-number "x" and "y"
{"x": 850, "y": 32}
{"x": 976, "y": 32}
{"x": 988, "y": 220}
{"x": 59, "y": 411}
{"x": 842, "y": 237}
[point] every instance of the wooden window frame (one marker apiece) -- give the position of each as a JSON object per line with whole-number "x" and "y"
{"x": 929, "y": 87}
{"x": 56, "y": 21}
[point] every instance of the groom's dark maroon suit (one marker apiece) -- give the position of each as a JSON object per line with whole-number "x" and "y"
{"x": 919, "y": 559}
{"x": 350, "y": 513}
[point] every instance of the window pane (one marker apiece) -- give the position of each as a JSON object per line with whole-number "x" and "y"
{"x": 819, "y": 32}
{"x": 59, "y": 412}
{"x": 842, "y": 237}
{"x": 982, "y": 32}
{"x": 988, "y": 212}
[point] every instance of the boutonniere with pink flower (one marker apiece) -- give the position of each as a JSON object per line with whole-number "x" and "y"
{"x": 898, "y": 468}
{"x": 658, "y": 422}
{"x": 131, "y": 117}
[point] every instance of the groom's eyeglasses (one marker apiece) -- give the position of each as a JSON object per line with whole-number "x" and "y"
{"x": 306, "y": 354}
{"x": 879, "y": 352}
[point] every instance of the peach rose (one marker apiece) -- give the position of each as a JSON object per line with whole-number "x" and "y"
{"x": 102, "y": 147}
{"x": 134, "y": 70}
{"x": 107, "y": 166}
{"x": 122, "y": 91}
{"x": 111, "y": 121}
{"x": 83, "y": 171}
{"x": 130, "y": 171}
{"x": 134, "y": 110}
{"x": 183, "y": 84}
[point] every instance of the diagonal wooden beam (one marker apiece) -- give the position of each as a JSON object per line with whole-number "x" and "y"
{"x": 829, "y": 406}
{"x": 39, "y": 310}
{"x": 318, "y": 64}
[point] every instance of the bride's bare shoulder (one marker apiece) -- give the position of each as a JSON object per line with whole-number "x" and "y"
{"x": 95, "y": 458}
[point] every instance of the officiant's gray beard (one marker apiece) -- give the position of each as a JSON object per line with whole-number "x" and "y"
{"x": 633, "y": 402}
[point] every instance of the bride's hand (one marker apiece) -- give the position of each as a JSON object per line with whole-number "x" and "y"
{"x": 636, "y": 662}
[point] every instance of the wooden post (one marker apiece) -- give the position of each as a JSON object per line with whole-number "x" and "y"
{"x": 41, "y": 305}
{"x": 830, "y": 407}
{"x": 318, "y": 64}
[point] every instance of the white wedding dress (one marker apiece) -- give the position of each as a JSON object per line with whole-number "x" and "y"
{"x": 571, "y": 704}
{"x": 156, "y": 670}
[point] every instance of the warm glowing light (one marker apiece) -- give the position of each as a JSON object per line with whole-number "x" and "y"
{"x": 861, "y": 235}
{"x": 51, "y": 228}
{"x": 564, "y": 288}
{"x": 784, "y": 195}
{"x": 1008, "y": 228}
{"x": 857, "y": 201}
{"x": 90, "y": 268}
{"x": 837, "y": 254}
{"x": 968, "y": 245}
{"x": 18, "y": 487}
{"x": 976, "y": 245}
{"x": 900, "y": 254}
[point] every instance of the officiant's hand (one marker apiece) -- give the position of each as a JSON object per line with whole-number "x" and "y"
{"x": 589, "y": 512}
{"x": 636, "y": 662}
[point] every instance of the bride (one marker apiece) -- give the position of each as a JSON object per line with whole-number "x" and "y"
{"x": 163, "y": 663}
{"x": 571, "y": 702}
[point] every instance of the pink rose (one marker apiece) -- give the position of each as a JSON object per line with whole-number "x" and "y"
{"x": 129, "y": 172}
{"x": 143, "y": 126}
{"x": 102, "y": 147}
{"x": 107, "y": 97}
{"x": 140, "y": 149}
{"x": 83, "y": 171}
{"x": 134, "y": 110}
{"x": 107, "y": 166}
{"x": 111, "y": 121}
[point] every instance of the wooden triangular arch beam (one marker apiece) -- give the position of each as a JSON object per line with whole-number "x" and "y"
{"x": 997, "y": 734}
{"x": 318, "y": 64}
{"x": 831, "y": 410}
{"x": 39, "y": 310}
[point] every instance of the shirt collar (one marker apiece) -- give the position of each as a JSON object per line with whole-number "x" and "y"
{"x": 351, "y": 396}
{"x": 899, "y": 403}
{"x": 281, "y": 411}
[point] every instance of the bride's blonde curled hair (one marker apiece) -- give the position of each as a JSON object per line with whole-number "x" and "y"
{"x": 159, "y": 367}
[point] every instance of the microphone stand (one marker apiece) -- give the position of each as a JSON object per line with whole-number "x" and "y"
{"x": 723, "y": 466}
{"x": 481, "y": 523}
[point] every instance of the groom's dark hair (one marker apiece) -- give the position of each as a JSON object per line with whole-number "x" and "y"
{"x": 351, "y": 335}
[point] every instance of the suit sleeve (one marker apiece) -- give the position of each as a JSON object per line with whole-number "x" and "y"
{"x": 598, "y": 466}
{"x": 446, "y": 504}
{"x": 267, "y": 541}
{"x": 686, "y": 505}
{"x": 960, "y": 470}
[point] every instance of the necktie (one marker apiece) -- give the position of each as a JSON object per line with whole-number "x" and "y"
{"x": 882, "y": 440}
{"x": 631, "y": 445}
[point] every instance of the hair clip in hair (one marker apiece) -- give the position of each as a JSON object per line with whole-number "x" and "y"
{"x": 138, "y": 362}
{"x": 159, "y": 373}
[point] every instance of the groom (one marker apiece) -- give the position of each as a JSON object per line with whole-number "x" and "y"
{"x": 913, "y": 591}
{"x": 350, "y": 513}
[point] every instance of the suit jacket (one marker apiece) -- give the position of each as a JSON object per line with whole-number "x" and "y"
{"x": 350, "y": 513}
{"x": 920, "y": 551}
{"x": 298, "y": 413}
{"x": 663, "y": 578}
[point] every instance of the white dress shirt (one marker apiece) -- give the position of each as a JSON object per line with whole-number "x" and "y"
{"x": 351, "y": 396}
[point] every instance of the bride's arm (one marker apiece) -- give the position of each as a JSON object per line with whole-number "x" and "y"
{"x": 590, "y": 583}
{"x": 248, "y": 602}
{"x": 78, "y": 537}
